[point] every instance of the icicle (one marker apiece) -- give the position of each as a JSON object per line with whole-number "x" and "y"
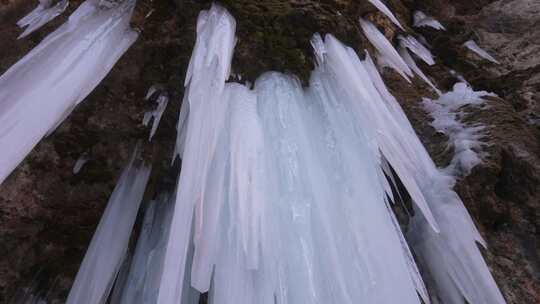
{"x": 110, "y": 241}
{"x": 412, "y": 64}
{"x": 81, "y": 161}
{"x": 43, "y": 13}
{"x": 417, "y": 48}
{"x": 385, "y": 48}
{"x": 42, "y": 93}
{"x": 421, "y": 19}
{"x": 384, "y": 9}
{"x": 155, "y": 115}
{"x": 471, "y": 45}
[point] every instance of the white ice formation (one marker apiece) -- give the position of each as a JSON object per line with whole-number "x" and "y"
{"x": 465, "y": 140}
{"x": 386, "y": 50}
{"x": 43, "y": 13}
{"x": 41, "y": 89}
{"x": 81, "y": 161}
{"x": 109, "y": 244}
{"x": 154, "y": 116}
{"x": 284, "y": 191}
{"x": 384, "y": 9}
{"x": 412, "y": 64}
{"x": 417, "y": 48}
{"x": 420, "y": 19}
{"x": 471, "y": 45}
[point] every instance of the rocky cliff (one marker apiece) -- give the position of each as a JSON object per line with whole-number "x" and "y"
{"x": 48, "y": 214}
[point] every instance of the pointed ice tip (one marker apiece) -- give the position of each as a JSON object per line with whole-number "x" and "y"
{"x": 319, "y": 48}
{"x": 471, "y": 45}
{"x": 385, "y": 10}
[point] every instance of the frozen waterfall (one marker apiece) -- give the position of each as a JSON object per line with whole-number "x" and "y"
{"x": 284, "y": 192}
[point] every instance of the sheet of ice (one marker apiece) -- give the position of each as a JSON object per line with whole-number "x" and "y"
{"x": 412, "y": 64}
{"x": 417, "y": 48}
{"x": 420, "y": 19}
{"x": 109, "y": 244}
{"x": 385, "y": 49}
{"x": 465, "y": 140}
{"x": 154, "y": 116}
{"x": 41, "y": 89}
{"x": 43, "y": 13}
{"x": 81, "y": 161}
{"x": 385, "y": 10}
{"x": 471, "y": 45}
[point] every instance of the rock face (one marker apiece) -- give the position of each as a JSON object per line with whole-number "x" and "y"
{"x": 48, "y": 214}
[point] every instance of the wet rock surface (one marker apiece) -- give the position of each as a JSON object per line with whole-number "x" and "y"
{"x": 48, "y": 214}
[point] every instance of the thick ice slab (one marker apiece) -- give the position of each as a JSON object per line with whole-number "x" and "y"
{"x": 41, "y": 90}
{"x": 109, "y": 244}
{"x": 43, "y": 13}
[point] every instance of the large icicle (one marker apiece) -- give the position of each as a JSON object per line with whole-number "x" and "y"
{"x": 41, "y": 90}
{"x": 43, "y": 13}
{"x": 205, "y": 80}
{"x": 110, "y": 241}
{"x": 471, "y": 45}
{"x": 385, "y": 49}
{"x": 385, "y": 10}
